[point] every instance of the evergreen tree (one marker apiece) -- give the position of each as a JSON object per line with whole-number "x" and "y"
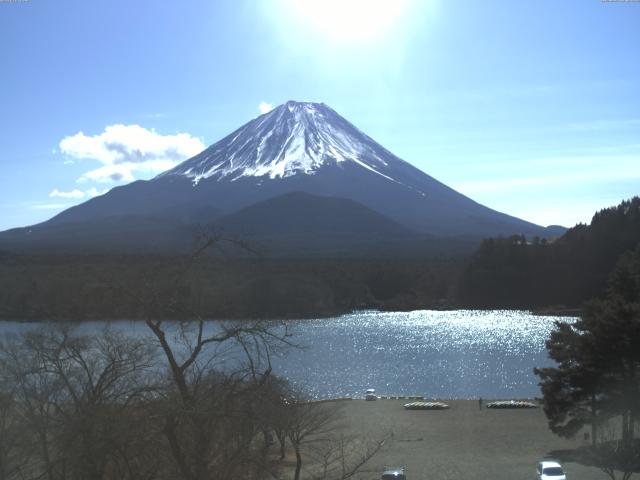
{"x": 598, "y": 357}
{"x": 513, "y": 273}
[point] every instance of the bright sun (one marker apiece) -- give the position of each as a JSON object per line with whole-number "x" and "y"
{"x": 350, "y": 21}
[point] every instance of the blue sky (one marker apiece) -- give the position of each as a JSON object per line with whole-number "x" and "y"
{"x": 529, "y": 107}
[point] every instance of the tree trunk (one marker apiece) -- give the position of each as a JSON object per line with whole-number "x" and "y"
{"x": 3, "y": 474}
{"x": 169, "y": 431}
{"x": 282, "y": 439}
{"x": 625, "y": 428}
{"x": 594, "y": 429}
{"x": 45, "y": 453}
{"x": 298, "y": 463}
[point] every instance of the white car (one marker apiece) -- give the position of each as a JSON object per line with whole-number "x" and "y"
{"x": 550, "y": 470}
{"x": 370, "y": 394}
{"x": 396, "y": 473}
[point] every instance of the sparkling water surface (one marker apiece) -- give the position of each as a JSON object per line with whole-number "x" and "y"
{"x": 437, "y": 354}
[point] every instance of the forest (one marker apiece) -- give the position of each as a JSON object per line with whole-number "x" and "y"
{"x": 516, "y": 272}
{"x": 108, "y": 287}
{"x": 510, "y": 272}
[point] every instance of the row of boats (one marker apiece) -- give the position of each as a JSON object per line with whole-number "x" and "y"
{"x": 370, "y": 395}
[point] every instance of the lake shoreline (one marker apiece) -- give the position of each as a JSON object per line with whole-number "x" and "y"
{"x": 552, "y": 311}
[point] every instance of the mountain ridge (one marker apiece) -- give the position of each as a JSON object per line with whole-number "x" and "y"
{"x": 297, "y": 147}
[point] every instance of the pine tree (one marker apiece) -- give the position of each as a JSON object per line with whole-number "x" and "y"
{"x": 598, "y": 357}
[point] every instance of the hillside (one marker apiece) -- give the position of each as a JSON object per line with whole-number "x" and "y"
{"x": 512, "y": 272}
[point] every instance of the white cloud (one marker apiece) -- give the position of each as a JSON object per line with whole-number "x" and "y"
{"x": 72, "y": 194}
{"x": 265, "y": 107}
{"x": 94, "y": 192}
{"x": 129, "y": 150}
{"x": 78, "y": 194}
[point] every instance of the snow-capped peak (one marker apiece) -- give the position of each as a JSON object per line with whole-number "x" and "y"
{"x": 293, "y": 138}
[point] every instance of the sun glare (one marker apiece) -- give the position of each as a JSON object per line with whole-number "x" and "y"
{"x": 350, "y": 21}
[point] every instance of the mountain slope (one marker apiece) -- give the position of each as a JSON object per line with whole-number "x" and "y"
{"x": 299, "y": 223}
{"x": 297, "y": 147}
{"x": 300, "y": 212}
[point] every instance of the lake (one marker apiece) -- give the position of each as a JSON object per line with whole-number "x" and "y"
{"x": 438, "y": 354}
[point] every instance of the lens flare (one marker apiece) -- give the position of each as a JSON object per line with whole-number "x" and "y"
{"x": 350, "y": 21}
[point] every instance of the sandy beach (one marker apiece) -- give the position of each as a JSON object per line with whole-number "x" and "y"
{"x": 462, "y": 443}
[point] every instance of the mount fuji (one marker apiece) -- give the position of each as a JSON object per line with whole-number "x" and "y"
{"x": 298, "y": 175}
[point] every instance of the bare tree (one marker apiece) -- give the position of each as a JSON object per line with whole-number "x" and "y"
{"x": 215, "y": 371}
{"x": 612, "y": 454}
{"x": 76, "y": 399}
{"x": 193, "y": 400}
{"x": 316, "y": 433}
{"x": 309, "y": 423}
{"x": 34, "y": 392}
{"x": 342, "y": 456}
{"x": 14, "y": 451}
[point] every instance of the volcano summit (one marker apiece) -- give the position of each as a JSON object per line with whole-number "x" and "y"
{"x": 297, "y": 166}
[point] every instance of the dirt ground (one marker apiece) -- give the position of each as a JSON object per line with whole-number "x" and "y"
{"x": 461, "y": 443}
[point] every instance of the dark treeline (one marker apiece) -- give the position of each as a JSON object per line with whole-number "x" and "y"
{"x": 513, "y": 272}
{"x": 518, "y": 273}
{"x": 66, "y": 287}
